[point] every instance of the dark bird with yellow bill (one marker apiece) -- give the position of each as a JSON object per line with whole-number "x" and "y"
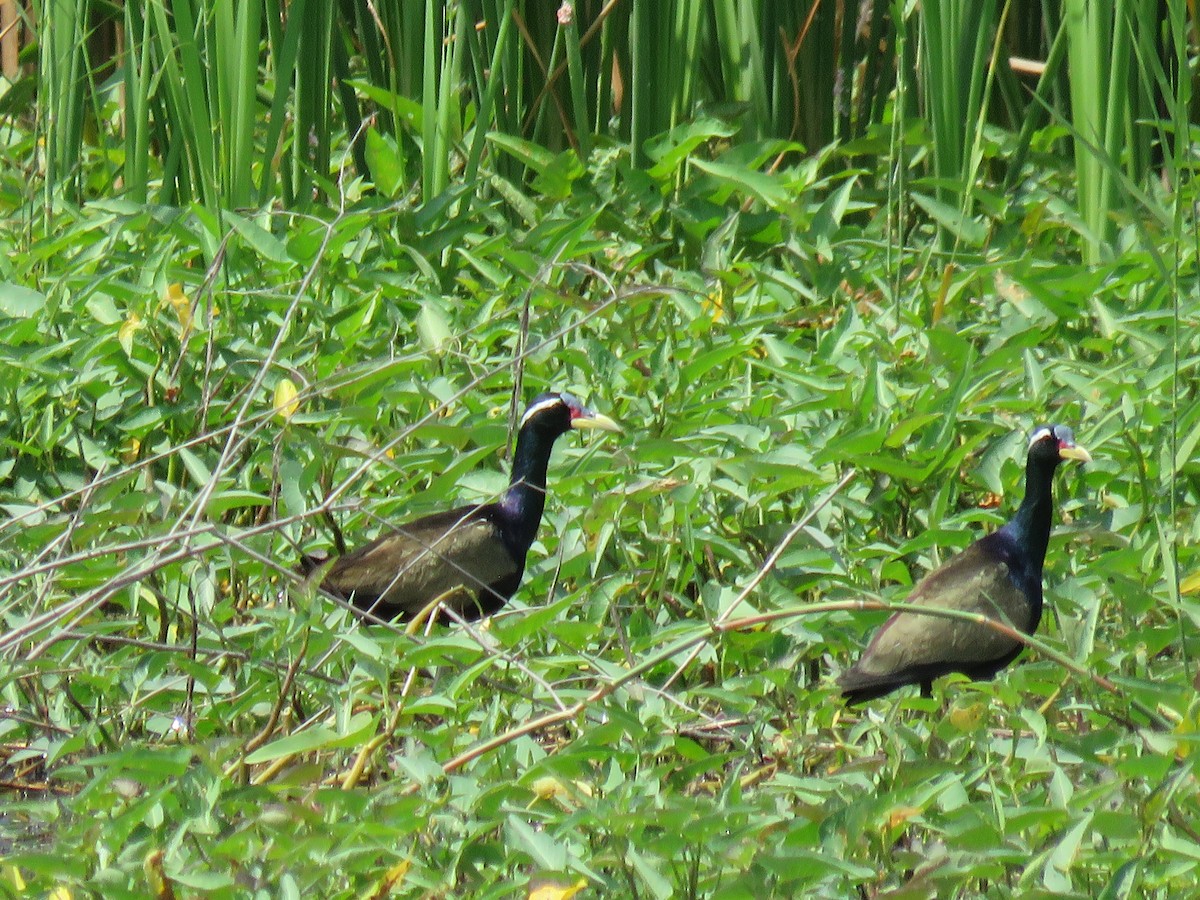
{"x": 999, "y": 576}
{"x": 470, "y": 558}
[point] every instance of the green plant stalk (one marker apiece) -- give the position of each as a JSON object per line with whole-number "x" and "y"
{"x": 184, "y": 76}
{"x": 954, "y": 54}
{"x": 311, "y": 131}
{"x": 63, "y": 36}
{"x": 638, "y": 90}
{"x": 541, "y": 132}
{"x": 897, "y": 190}
{"x": 285, "y": 47}
{"x": 243, "y": 91}
{"x": 485, "y": 118}
{"x": 1089, "y": 30}
{"x": 740, "y": 49}
{"x": 432, "y": 156}
{"x": 583, "y": 137}
{"x": 604, "y": 80}
{"x": 1035, "y": 111}
{"x": 680, "y": 61}
{"x": 1182, "y": 219}
{"x": 136, "y": 68}
{"x": 1114, "y": 134}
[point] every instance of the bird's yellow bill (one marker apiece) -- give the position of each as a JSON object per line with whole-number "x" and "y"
{"x": 595, "y": 420}
{"x": 1076, "y": 452}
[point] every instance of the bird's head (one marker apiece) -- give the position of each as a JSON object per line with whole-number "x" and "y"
{"x": 559, "y": 412}
{"x": 1054, "y": 443}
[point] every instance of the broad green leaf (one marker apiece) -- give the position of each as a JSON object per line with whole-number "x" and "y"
{"x": 385, "y": 162}
{"x": 20, "y": 302}
{"x": 316, "y": 738}
{"x": 262, "y": 241}
{"x": 770, "y": 189}
{"x": 970, "y": 231}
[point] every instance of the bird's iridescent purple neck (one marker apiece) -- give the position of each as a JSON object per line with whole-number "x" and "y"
{"x": 1030, "y": 525}
{"x": 524, "y": 501}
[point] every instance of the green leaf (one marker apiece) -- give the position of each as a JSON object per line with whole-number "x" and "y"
{"x": 968, "y": 230}
{"x": 546, "y": 853}
{"x": 659, "y": 886}
{"x": 19, "y": 302}
{"x": 671, "y": 149}
{"x": 770, "y": 189}
{"x": 264, "y": 243}
{"x": 200, "y": 473}
{"x": 385, "y": 162}
{"x": 432, "y": 325}
{"x": 317, "y": 737}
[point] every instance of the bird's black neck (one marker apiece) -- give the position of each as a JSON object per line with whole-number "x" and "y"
{"x": 525, "y": 499}
{"x": 1030, "y": 527}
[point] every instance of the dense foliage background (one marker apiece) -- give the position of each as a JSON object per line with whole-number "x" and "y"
{"x": 827, "y": 263}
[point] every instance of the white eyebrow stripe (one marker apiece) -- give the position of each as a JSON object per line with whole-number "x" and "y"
{"x": 1039, "y": 434}
{"x": 539, "y": 407}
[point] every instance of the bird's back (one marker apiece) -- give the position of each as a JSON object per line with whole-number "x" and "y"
{"x": 401, "y": 572}
{"x": 914, "y": 648}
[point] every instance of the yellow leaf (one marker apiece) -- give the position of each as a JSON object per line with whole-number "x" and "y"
{"x": 939, "y": 303}
{"x": 714, "y": 305}
{"x": 180, "y": 303}
{"x": 161, "y": 886}
{"x": 390, "y": 880}
{"x": 130, "y": 449}
{"x": 902, "y": 814}
{"x": 1184, "y": 731}
{"x": 132, "y": 325}
{"x": 967, "y": 718}
{"x": 60, "y": 893}
{"x": 1190, "y": 584}
{"x": 549, "y": 788}
{"x": 286, "y": 399}
{"x": 14, "y": 876}
{"x": 550, "y": 890}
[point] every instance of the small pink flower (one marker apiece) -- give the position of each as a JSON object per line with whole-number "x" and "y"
{"x": 565, "y": 13}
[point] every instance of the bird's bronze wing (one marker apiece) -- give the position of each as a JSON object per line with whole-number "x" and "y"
{"x": 973, "y": 581}
{"x": 404, "y": 570}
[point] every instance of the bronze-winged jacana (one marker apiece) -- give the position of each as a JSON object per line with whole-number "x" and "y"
{"x": 473, "y": 556}
{"x": 999, "y": 576}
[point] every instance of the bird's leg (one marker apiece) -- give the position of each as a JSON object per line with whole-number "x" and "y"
{"x": 926, "y": 688}
{"x": 431, "y": 608}
{"x": 339, "y": 539}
